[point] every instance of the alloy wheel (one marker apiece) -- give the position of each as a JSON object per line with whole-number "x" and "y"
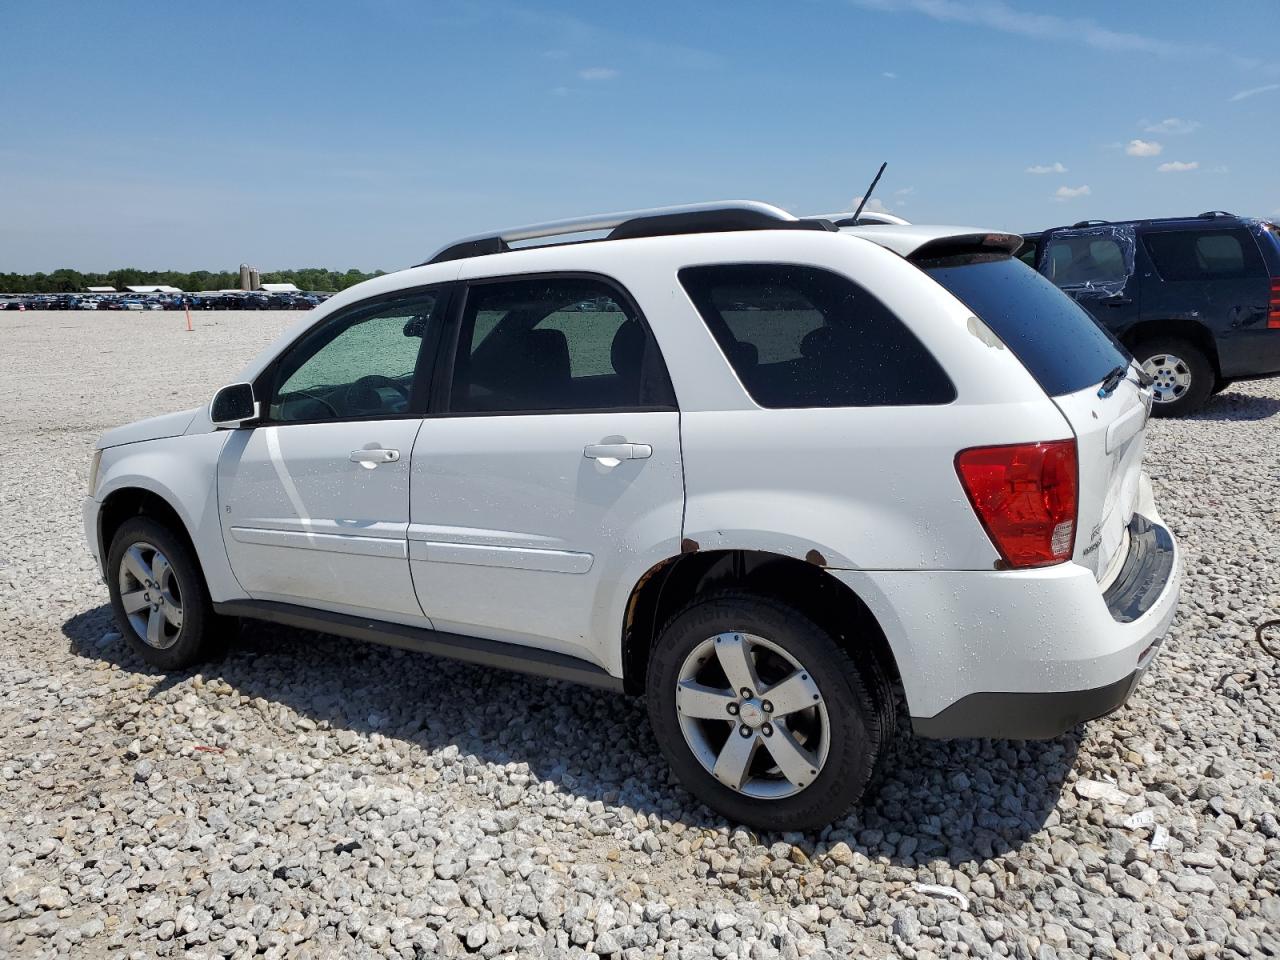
{"x": 151, "y": 596}
{"x": 1171, "y": 374}
{"x": 752, "y": 715}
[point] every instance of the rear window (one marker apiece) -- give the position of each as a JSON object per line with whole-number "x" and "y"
{"x": 1057, "y": 341}
{"x": 1205, "y": 255}
{"x": 800, "y": 336}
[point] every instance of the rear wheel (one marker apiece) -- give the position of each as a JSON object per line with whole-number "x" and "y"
{"x": 1184, "y": 377}
{"x": 763, "y": 715}
{"x": 159, "y": 596}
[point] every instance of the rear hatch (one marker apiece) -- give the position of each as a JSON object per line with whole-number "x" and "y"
{"x": 1070, "y": 356}
{"x": 1110, "y": 442}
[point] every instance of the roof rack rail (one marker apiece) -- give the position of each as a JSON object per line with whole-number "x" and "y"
{"x": 1214, "y": 214}
{"x": 715, "y": 217}
{"x": 866, "y": 218}
{"x": 1089, "y": 223}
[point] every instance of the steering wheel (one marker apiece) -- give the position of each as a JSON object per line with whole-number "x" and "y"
{"x": 320, "y": 400}
{"x": 363, "y": 395}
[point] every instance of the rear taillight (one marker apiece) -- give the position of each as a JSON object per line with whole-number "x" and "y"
{"x": 1273, "y": 315}
{"x": 1025, "y": 494}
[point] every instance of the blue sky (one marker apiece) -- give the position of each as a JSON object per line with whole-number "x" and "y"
{"x": 191, "y": 136}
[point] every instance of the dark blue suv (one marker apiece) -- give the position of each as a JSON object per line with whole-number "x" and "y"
{"x": 1196, "y": 300}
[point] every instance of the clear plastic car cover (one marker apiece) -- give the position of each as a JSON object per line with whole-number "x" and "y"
{"x": 1087, "y": 283}
{"x": 1260, "y": 229}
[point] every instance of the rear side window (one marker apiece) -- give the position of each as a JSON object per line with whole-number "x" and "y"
{"x": 800, "y": 336}
{"x": 1076, "y": 261}
{"x": 1205, "y": 255}
{"x": 1057, "y": 341}
{"x": 554, "y": 344}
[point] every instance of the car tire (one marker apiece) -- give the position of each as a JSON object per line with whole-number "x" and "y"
{"x": 1184, "y": 375}
{"x": 159, "y": 596}
{"x": 753, "y": 763}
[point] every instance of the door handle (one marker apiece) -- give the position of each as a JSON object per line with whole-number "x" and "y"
{"x": 371, "y": 458}
{"x": 617, "y": 451}
{"x": 1121, "y": 302}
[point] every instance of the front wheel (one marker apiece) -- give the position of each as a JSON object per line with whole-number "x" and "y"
{"x": 159, "y": 596}
{"x": 1183, "y": 375}
{"x": 763, "y": 715}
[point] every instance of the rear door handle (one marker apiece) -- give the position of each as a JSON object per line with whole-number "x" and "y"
{"x": 371, "y": 458}
{"x": 1122, "y": 302}
{"x": 618, "y": 451}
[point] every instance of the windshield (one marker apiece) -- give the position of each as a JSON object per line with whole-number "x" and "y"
{"x": 1057, "y": 341}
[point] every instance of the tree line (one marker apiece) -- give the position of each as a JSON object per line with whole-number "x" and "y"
{"x": 73, "y": 281}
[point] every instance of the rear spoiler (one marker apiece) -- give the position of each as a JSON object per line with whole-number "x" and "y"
{"x": 968, "y": 243}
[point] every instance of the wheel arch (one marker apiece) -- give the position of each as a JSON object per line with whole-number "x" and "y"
{"x": 673, "y": 583}
{"x": 1191, "y": 330}
{"x": 123, "y": 503}
{"x": 177, "y": 477}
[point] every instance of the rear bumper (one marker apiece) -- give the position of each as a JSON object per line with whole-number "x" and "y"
{"x": 1144, "y": 581}
{"x": 1025, "y": 716}
{"x": 1025, "y": 654}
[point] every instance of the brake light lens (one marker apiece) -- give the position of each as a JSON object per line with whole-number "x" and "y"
{"x": 1273, "y": 315}
{"x": 1026, "y": 496}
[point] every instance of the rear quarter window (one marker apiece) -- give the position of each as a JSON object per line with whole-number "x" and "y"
{"x": 800, "y": 336}
{"x": 1057, "y": 341}
{"x": 1205, "y": 254}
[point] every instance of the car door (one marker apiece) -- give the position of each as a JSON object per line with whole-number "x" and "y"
{"x": 315, "y": 496}
{"x": 1096, "y": 267}
{"x": 551, "y": 480}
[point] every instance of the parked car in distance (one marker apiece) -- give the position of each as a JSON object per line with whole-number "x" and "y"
{"x": 910, "y": 477}
{"x": 1196, "y": 300}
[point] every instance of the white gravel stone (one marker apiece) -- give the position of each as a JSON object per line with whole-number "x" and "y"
{"x": 1106, "y": 792}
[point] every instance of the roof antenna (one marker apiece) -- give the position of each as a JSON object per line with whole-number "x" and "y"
{"x": 867, "y": 196}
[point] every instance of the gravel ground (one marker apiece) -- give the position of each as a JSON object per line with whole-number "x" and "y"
{"x": 310, "y": 797}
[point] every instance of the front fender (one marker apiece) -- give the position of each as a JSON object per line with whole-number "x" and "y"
{"x": 182, "y": 471}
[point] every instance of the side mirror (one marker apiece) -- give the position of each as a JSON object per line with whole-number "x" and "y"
{"x": 233, "y": 405}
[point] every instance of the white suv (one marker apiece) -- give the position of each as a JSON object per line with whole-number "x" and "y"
{"x": 782, "y": 479}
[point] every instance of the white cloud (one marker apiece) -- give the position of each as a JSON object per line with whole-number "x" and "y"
{"x": 1170, "y": 125}
{"x": 1054, "y": 167}
{"x": 559, "y": 91}
{"x": 873, "y": 204}
{"x": 598, "y": 73}
{"x": 904, "y": 192}
{"x": 1070, "y": 193}
{"x": 1253, "y": 92}
{"x": 1000, "y": 16}
{"x": 889, "y": 75}
{"x": 1221, "y": 168}
{"x": 1177, "y": 166}
{"x": 1143, "y": 148}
